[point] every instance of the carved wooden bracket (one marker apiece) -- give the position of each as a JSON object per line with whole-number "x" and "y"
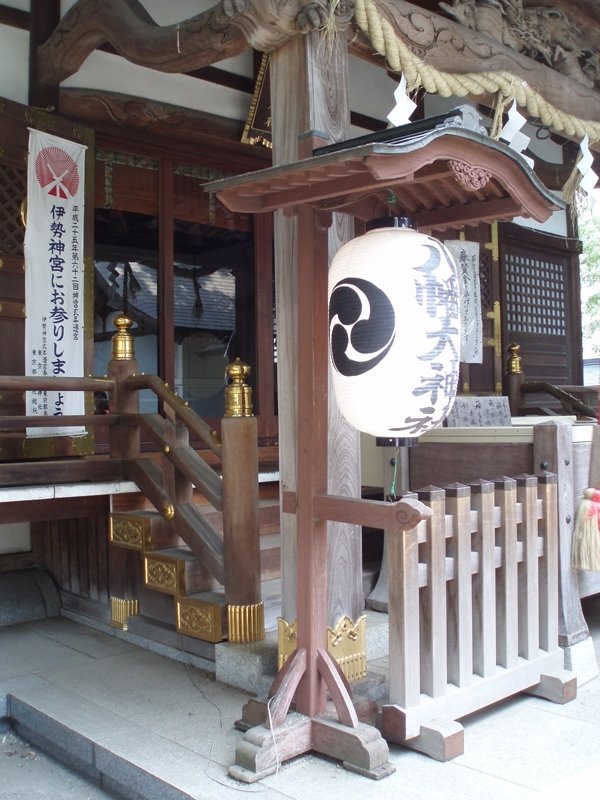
{"x": 225, "y": 30}
{"x": 472, "y": 178}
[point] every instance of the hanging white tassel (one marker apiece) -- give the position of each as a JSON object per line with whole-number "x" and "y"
{"x": 586, "y": 535}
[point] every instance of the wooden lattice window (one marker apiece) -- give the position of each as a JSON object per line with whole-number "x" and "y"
{"x": 485, "y": 279}
{"x": 536, "y": 297}
{"x": 13, "y": 189}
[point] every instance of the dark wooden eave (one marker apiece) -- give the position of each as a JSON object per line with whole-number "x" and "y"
{"x": 418, "y": 175}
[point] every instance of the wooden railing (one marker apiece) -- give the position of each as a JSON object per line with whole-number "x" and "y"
{"x": 233, "y": 556}
{"x": 473, "y": 609}
{"x": 569, "y": 397}
{"x": 566, "y": 396}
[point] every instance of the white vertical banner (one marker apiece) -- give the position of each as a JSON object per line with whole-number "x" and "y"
{"x": 54, "y": 278}
{"x": 466, "y": 256}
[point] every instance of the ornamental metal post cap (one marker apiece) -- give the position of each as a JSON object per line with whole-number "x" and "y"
{"x": 514, "y": 365}
{"x": 238, "y": 395}
{"x": 122, "y": 342}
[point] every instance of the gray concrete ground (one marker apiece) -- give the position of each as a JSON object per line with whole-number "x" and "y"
{"x": 148, "y": 727}
{"x": 27, "y": 773}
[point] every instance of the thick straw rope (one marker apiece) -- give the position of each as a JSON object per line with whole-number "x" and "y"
{"x": 400, "y": 58}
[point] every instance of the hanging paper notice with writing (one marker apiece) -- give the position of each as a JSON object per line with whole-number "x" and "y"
{"x": 54, "y": 279}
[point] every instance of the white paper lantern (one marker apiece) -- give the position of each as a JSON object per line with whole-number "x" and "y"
{"x": 394, "y": 331}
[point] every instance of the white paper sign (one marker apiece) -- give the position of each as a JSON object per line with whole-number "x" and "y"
{"x": 54, "y": 279}
{"x": 466, "y": 257}
{"x": 479, "y": 412}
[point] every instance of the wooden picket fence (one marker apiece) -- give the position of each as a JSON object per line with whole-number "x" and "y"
{"x": 473, "y": 609}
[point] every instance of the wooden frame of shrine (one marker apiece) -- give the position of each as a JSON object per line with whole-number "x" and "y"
{"x": 447, "y": 176}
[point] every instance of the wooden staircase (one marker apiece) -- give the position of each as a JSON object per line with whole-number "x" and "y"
{"x": 170, "y": 566}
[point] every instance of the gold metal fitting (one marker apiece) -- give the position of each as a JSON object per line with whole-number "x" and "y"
{"x": 168, "y": 510}
{"x": 121, "y": 610}
{"x": 513, "y": 364}
{"x": 346, "y": 643}
{"x": 287, "y": 640}
{"x": 122, "y": 342}
{"x": 166, "y": 449}
{"x": 238, "y": 395}
{"x": 246, "y": 623}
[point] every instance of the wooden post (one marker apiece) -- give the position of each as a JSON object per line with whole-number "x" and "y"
{"x": 434, "y": 640}
{"x": 124, "y": 441}
{"x": 44, "y": 16}
{"x": 514, "y": 379}
{"x": 241, "y": 536}
{"x": 309, "y": 98}
{"x": 404, "y": 649}
{"x": 553, "y": 452}
{"x": 529, "y": 612}
{"x": 548, "y": 564}
{"x": 484, "y": 581}
{"x": 460, "y": 589}
{"x": 507, "y": 613}
{"x": 309, "y": 91}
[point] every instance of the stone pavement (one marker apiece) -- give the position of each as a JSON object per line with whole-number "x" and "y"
{"x": 145, "y": 727}
{"x": 27, "y": 773}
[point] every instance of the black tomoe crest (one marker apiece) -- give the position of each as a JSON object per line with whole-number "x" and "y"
{"x": 362, "y": 326}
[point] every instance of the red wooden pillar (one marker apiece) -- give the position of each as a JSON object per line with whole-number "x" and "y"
{"x": 312, "y": 567}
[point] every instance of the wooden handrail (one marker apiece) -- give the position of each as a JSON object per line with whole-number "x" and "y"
{"x": 186, "y": 460}
{"x": 31, "y": 383}
{"x": 15, "y": 423}
{"x": 567, "y": 401}
{"x": 232, "y": 557}
{"x": 179, "y": 406}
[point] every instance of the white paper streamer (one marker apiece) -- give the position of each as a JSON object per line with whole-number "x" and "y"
{"x": 404, "y": 108}
{"x": 589, "y": 177}
{"x": 511, "y": 132}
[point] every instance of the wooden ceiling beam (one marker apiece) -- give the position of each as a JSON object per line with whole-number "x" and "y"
{"x": 189, "y": 45}
{"x": 468, "y": 214}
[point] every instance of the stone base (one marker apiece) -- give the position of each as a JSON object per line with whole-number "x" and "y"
{"x": 27, "y": 595}
{"x": 581, "y": 659}
{"x": 251, "y": 667}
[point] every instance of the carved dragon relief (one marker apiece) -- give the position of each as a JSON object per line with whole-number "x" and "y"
{"x": 543, "y": 32}
{"x": 471, "y": 46}
{"x": 225, "y": 30}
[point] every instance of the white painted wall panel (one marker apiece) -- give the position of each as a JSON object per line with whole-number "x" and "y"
{"x": 14, "y": 64}
{"x": 102, "y": 71}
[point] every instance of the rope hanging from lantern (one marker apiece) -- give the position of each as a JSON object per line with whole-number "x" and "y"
{"x": 419, "y": 74}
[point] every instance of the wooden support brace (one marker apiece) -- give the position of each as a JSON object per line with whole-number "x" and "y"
{"x": 558, "y": 686}
{"x": 440, "y": 739}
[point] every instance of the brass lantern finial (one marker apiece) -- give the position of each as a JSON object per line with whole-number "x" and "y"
{"x": 122, "y": 342}
{"x": 514, "y": 366}
{"x": 238, "y": 395}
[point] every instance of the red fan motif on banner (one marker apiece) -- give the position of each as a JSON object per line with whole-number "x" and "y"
{"x": 57, "y": 172}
